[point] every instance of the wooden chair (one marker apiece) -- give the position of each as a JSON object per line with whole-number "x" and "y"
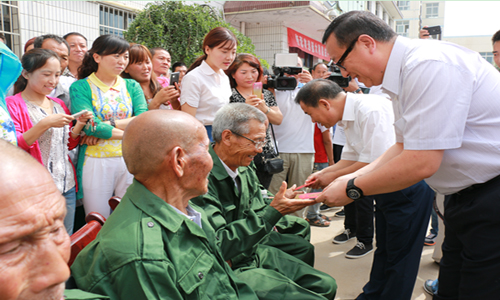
{"x": 114, "y": 201}
{"x": 86, "y": 234}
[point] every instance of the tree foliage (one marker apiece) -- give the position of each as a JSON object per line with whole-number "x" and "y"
{"x": 180, "y": 29}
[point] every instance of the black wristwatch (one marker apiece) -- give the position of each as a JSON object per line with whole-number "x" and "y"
{"x": 112, "y": 122}
{"x": 357, "y": 91}
{"x": 353, "y": 191}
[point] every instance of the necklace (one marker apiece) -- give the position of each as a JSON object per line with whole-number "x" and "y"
{"x": 244, "y": 94}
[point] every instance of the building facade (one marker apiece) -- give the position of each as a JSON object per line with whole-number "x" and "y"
{"x": 296, "y": 26}
{"x": 432, "y": 13}
{"x": 22, "y": 20}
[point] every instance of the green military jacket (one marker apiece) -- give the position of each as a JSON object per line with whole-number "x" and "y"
{"x": 236, "y": 216}
{"x": 146, "y": 250}
{"x": 81, "y": 295}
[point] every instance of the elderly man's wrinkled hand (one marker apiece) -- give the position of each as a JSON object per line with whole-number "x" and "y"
{"x": 287, "y": 206}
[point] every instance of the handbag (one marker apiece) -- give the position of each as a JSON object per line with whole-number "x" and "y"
{"x": 270, "y": 163}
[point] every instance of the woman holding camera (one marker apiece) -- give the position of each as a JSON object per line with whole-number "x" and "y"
{"x": 114, "y": 102}
{"x": 205, "y": 87}
{"x": 243, "y": 73}
{"x": 140, "y": 68}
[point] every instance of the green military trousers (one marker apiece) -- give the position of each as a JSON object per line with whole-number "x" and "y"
{"x": 275, "y": 275}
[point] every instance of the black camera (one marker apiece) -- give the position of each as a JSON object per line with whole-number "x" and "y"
{"x": 285, "y": 63}
{"x": 337, "y": 77}
{"x": 281, "y": 82}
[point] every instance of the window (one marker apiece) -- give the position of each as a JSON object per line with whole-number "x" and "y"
{"x": 432, "y": 10}
{"x": 488, "y": 56}
{"x": 402, "y": 28}
{"x": 10, "y": 25}
{"x": 114, "y": 21}
{"x": 404, "y": 5}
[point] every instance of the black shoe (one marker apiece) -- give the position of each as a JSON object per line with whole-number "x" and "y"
{"x": 343, "y": 237}
{"x": 325, "y": 207}
{"x": 359, "y": 250}
{"x": 340, "y": 214}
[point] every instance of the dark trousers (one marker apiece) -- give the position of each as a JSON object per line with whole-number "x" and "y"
{"x": 359, "y": 219}
{"x": 470, "y": 267}
{"x": 401, "y": 221}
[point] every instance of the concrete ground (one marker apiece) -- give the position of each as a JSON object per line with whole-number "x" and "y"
{"x": 352, "y": 274}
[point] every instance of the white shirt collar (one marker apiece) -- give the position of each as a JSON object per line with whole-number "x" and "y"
{"x": 192, "y": 214}
{"x": 348, "y": 108}
{"x": 207, "y": 70}
{"x": 232, "y": 174}
{"x": 394, "y": 65}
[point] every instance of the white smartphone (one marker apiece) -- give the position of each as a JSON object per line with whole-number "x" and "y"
{"x": 78, "y": 114}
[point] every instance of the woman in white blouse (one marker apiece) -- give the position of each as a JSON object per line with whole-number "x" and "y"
{"x": 205, "y": 87}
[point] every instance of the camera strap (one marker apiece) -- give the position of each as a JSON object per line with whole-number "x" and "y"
{"x": 274, "y": 139}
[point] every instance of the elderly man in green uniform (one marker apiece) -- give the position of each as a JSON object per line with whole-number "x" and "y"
{"x": 155, "y": 245}
{"x": 34, "y": 246}
{"x": 237, "y": 211}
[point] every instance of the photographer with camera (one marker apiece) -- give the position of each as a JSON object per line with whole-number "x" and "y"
{"x": 295, "y": 134}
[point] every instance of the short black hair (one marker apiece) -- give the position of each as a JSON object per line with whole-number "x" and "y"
{"x": 178, "y": 64}
{"x": 314, "y": 67}
{"x": 496, "y": 37}
{"x": 2, "y": 36}
{"x": 153, "y": 50}
{"x": 350, "y": 25}
{"x": 39, "y": 40}
{"x": 317, "y": 89}
{"x": 67, "y": 35}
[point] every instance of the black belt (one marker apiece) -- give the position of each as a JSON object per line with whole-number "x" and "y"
{"x": 478, "y": 185}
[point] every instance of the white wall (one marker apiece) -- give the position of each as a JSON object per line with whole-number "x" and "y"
{"x": 268, "y": 38}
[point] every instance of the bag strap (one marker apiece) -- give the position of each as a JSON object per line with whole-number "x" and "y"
{"x": 274, "y": 138}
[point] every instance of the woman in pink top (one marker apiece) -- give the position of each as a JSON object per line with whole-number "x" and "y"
{"x": 43, "y": 124}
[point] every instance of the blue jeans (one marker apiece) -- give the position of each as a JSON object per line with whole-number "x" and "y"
{"x": 69, "y": 220}
{"x": 313, "y": 210}
{"x": 434, "y": 222}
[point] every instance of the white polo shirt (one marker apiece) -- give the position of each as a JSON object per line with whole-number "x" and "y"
{"x": 295, "y": 134}
{"x": 368, "y": 125}
{"x": 446, "y": 97}
{"x": 206, "y": 90}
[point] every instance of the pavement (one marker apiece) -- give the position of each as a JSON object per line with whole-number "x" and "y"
{"x": 352, "y": 274}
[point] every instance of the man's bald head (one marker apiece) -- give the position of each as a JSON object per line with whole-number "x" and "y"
{"x": 152, "y": 135}
{"x": 16, "y": 162}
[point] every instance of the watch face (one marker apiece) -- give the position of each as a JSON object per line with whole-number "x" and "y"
{"x": 353, "y": 194}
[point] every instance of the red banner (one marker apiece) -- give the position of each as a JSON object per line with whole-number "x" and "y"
{"x": 306, "y": 44}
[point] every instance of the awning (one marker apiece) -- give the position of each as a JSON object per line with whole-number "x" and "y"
{"x": 306, "y": 44}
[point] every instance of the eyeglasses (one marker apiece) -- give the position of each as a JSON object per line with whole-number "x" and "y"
{"x": 256, "y": 144}
{"x": 344, "y": 56}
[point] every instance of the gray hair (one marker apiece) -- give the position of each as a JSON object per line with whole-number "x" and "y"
{"x": 235, "y": 117}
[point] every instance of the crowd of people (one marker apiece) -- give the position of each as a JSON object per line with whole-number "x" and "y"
{"x": 188, "y": 150}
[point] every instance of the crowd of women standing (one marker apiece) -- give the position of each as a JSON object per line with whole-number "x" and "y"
{"x": 109, "y": 85}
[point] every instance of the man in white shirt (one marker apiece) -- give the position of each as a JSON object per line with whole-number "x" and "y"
{"x": 457, "y": 155}
{"x": 295, "y": 138}
{"x": 402, "y": 216}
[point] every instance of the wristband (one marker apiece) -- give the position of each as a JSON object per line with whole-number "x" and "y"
{"x": 357, "y": 91}
{"x": 268, "y": 109}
